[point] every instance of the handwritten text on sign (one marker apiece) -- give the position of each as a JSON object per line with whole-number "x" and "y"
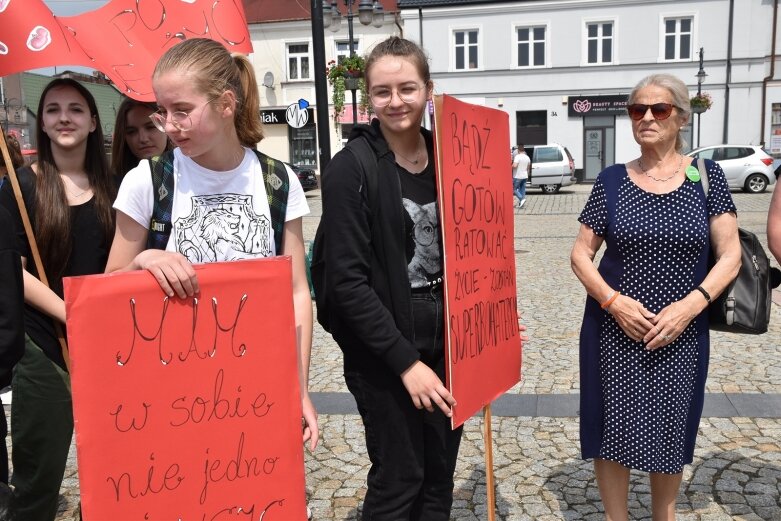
{"x": 475, "y": 184}
{"x": 187, "y": 409}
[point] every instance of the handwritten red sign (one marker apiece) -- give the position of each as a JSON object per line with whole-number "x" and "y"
{"x": 123, "y": 39}
{"x": 476, "y": 210}
{"x": 187, "y": 409}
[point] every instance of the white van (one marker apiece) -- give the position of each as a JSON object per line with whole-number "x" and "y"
{"x": 552, "y": 167}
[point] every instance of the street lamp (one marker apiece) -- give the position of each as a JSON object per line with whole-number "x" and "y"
{"x": 701, "y": 75}
{"x": 369, "y": 13}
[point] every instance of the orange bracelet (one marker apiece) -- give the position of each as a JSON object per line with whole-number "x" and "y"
{"x": 610, "y": 300}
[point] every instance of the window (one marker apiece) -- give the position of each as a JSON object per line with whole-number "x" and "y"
{"x": 678, "y": 38}
{"x": 547, "y": 155}
{"x": 303, "y": 147}
{"x": 599, "y": 42}
{"x": 531, "y": 46}
{"x": 343, "y": 50}
{"x": 531, "y": 127}
{"x": 298, "y": 61}
{"x": 466, "y": 49}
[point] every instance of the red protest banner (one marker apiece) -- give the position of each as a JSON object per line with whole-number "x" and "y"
{"x": 123, "y": 39}
{"x": 187, "y": 409}
{"x": 476, "y": 210}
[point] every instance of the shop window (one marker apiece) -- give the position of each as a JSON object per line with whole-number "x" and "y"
{"x": 303, "y": 146}
{"x": 531, "y": 127}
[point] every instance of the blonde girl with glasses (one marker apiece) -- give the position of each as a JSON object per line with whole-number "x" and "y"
{"x": 208, "y": 106}
{"x": 383, "y": 271}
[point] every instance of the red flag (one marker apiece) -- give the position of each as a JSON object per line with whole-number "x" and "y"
{"x": 123, "y": 39}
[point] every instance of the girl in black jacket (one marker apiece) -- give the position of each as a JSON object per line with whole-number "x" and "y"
{"x": 383, "y": 271}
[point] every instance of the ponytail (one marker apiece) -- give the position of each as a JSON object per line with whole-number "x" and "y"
{"x": 248, "y": 125}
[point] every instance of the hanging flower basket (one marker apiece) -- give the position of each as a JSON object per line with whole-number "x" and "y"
{"x": 344, "y": 76}
{"x": 701, "y": 102}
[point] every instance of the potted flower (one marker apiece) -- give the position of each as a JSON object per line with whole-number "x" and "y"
{"x": 347, "y": 75}
{"x": 701, "y": 102}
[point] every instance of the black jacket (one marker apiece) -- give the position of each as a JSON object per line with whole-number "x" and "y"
{"x": 11, "y": 301}
{"x": 365, "y": 262}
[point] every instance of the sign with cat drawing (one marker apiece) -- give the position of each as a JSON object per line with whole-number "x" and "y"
{"x": 483, "y": 344}
{"x": 187, "y": 409}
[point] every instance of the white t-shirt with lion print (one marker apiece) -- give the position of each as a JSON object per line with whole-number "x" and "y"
{"x": 216, "y": 216}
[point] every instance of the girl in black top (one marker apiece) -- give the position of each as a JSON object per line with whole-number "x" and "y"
{"x": 68, "y": 196}
{"x": 384, "y": 276}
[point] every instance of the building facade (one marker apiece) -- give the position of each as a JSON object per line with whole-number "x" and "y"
{"x": 562, "y": 69}
{"x": 283, "y": 58}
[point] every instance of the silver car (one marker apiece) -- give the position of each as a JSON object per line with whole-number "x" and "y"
{"x": 552, "y": 167}
{"x": 747, "y": 167}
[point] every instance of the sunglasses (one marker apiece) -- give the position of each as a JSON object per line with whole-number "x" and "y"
{"x": 658, "y": 110}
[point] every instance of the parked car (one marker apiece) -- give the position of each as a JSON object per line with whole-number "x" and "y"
{"x": 306, "y": 175}
{"x": 747, "y": 167}
{"x": 552, "y": 167}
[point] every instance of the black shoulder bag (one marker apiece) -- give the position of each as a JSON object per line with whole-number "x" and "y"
{"x": 744, "y": 306}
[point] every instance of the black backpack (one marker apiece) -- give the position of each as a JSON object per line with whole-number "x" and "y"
{"x": 275, "y": 178}
{"x": 744, "y": 306}
{"x": 364, "y": 154}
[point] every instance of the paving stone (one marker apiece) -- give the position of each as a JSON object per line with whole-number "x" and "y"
{"x": 736, "y": 472}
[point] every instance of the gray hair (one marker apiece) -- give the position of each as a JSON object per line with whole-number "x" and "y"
{"x": 679, "y": 93}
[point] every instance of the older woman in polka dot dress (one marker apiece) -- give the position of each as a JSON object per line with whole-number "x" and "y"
{"x": 644, "y": 342}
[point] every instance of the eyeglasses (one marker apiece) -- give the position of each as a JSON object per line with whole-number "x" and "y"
{"x": 659, "y": 111}
{"x": 407, "y": 93}
{"x": 179, "y": 119}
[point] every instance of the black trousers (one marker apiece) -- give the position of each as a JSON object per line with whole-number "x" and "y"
{"x": 413, "y": 452}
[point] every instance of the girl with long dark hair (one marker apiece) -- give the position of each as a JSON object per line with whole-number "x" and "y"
{"x": 68, "y": 195}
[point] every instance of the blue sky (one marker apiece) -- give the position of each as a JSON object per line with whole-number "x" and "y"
{"x": 71, "y": 7}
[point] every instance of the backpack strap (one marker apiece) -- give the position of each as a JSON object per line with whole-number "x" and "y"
{"x": 277, "y": 181}
{"x": 364, "y": 154}
{"x": 162, "y": 168}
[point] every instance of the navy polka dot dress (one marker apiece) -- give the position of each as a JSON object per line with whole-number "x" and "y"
{"x": 642, "y": 408}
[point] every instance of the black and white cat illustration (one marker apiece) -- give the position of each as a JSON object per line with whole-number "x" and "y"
{"x": 426, "y": 261}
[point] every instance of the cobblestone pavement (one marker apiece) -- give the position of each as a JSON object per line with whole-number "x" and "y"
{"x": 737, "y": 469}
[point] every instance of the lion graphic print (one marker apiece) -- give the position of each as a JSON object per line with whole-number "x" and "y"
{"x": 222, "y": 227}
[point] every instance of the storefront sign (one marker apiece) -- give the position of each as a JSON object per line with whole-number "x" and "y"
{"x": 579, "y": 106}
{"x": 278, "y": 117}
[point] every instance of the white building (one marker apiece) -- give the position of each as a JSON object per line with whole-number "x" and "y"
{"x": 562, "y": 68}
{"x": 283, "y": 59}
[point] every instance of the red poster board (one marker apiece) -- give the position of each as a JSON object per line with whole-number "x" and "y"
{"x": 123, "y": 39}
{"x": 183, "y": 411}
{"x": 483, "y": 345}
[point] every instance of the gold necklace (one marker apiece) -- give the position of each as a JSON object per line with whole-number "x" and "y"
{"x": 412, "y": 161}
{"x": 408, "y": 160}
{"x": 640, "y": 164}
{"x": 76, "y": 196}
